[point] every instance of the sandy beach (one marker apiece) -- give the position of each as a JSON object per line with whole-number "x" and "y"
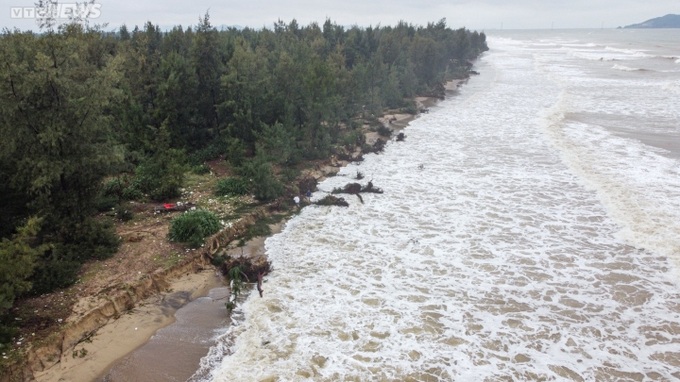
{"x": 173, "y": 341}
{"x": 133, "y": 329}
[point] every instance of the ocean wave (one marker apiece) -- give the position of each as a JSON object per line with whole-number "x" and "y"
{"x": 672, "y": 86}
{"x": 496, "y": 259}
{"x": 628, "y": 69}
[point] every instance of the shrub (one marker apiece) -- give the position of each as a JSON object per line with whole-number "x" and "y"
{"x": 114, "y": 186}
{"x": 205, "y": 154}
{"x": 132, "y": 192}
{"x": 384, "y": 131}
{"x": 411, "y": 108}
{"x": 59, "y": 266}
{"x": 193, "y": 227}
{"x": 289, "y": 174}
{"x": 266, "y": 186}
{"x": 353, "y": 138}
{"x": 124, "y": 212}
{"x": 200, "y": 169}
{"x": 330, "y": 200}
{"x": 162, "y": 175}
{"x": 232, "y": 186}
{"x": 236, "y": 152}
{"x": 104, "y": 203}
{"x": 17, "y": 262}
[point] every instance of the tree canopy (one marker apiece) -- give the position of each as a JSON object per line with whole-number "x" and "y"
{"x": 87, "y": 114}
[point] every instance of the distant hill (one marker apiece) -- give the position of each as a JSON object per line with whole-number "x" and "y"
{"x": 668, "y": 21}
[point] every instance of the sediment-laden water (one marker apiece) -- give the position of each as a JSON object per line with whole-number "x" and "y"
{"x": 529, "y": 229}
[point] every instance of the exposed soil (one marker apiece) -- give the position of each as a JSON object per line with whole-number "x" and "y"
{"x": 144, "y": 250}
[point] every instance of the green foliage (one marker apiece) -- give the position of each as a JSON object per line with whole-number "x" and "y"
{"x": 114, "y": 187}
{"x": 132, "y": 191}
{"x": 193, "y": 227}
{"x": 162, "y": 175}
{"x": 235, "y": 275}
{"x": 258, "y": 229}
{"x": 353, "y": 138}
{"x": 265, "y": 185}
{"x": 236, "y": 152}
{"x": 410, "y": 108}
{"x": 90, "y": 119}
{"x": 17, "y": 260}
{"x": 232, "y": 186}
{"x": 105, "y": 203}
{"x": 276, "y": 143}
{"x": 201, "y": 169}
{"x": 58, "y": 267}
{"x": 289, "y": 174}
{"x": 199, "y": 157}
{"x": 57, "y": 139}
{"x": 124, "y": 212}
{"x": 384, "y": 131}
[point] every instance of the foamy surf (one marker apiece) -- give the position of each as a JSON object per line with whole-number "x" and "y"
{"x": 498, "y": 250}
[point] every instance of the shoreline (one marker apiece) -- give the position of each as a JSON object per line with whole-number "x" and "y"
{"x": 119, "y": 338}
{"x": 150, "y": 362}
{"x": 123, "y": 335}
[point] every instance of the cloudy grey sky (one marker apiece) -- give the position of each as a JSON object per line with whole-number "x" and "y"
{"x": 473, "y": 14}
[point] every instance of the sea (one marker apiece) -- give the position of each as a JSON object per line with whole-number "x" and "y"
{"x": 529, "y": 230}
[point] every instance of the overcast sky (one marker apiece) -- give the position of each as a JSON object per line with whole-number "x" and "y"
{"x": 472, "y": 14}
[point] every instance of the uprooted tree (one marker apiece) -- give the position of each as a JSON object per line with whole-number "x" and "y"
{"x": 357, "y": 189}
{"x": 243, "y": 269}
{"x": 331, "y": 200}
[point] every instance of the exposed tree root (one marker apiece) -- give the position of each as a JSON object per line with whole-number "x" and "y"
{"x": 251, "y": 268}
{"x": 357, "y": 189}
{"x": 330, "y": 200}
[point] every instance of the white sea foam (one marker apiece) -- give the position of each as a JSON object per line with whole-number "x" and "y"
{"x": 672, "y": 86}
{"x": 529, "y": 245}
{"x": 626, "y": 68}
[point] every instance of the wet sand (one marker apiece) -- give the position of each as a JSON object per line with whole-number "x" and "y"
{"x": 173, "y": 352}
{"x": 130, "y": 331}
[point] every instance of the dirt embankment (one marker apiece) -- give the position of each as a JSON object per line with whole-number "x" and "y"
{"x": 92, "y": 312}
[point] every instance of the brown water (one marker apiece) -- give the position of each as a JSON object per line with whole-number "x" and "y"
{"x": 174, "y": 352}
{"x": 513, "y": 241}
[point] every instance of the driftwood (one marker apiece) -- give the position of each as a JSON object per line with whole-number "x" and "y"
{"x": 378, "y": 146}
{"x": 330, "y": 200}
{"x": 251, "y": 268}
{"x": 259, "y": 283}
{"x": 357, "y": 189}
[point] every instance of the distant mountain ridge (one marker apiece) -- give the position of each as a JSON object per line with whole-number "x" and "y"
{"x": 668, "y": 21}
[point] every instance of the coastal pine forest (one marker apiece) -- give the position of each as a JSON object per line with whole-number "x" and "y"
{"x": 92, "y": 119}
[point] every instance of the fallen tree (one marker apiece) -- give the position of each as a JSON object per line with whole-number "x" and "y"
{"x": 330, "y": 200}
{"x": 357, "y": 189}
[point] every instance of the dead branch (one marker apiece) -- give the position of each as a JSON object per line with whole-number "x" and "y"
{"x": 259, "y": 283}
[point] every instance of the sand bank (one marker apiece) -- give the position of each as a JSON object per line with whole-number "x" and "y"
{"x": 91, "y": 358}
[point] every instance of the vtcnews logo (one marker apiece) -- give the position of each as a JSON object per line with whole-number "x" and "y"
{"x": 57, "y": 11}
